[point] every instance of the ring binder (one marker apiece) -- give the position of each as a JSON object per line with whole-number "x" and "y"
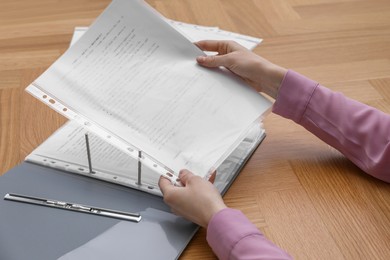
{"x": 159, "y": 227}
{"x": 115, "y": 161}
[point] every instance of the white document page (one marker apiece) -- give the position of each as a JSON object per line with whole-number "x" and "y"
{"x": 196, "y": 33}
{"x": 66, "y": 150}
{"x": 134, "y": 81}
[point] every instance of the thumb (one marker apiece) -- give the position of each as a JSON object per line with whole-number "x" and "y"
{"x": 212, "y": 61}
{"x": 165, "y": 185}
{"x": 184, "y": 176}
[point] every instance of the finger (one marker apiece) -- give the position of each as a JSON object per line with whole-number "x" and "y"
{"x": 165, "y": 185}
{"x": 210, "y": 45}
{"x": 185, "y": 175}
{"x": 222, "y": 47}
{"x": 213, "y": 61}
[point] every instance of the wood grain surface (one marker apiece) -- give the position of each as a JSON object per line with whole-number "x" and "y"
{"x": 305, "y": 196}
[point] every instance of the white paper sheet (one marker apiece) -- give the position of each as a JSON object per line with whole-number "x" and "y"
{"x": 66, "y": 150}
{"x": 196, "y": 33}
{"x": 134, "y": 81}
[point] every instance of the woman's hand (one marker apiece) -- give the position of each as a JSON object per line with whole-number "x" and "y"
{"x": 198, "y": 200}
{"x": 258, "y": 72}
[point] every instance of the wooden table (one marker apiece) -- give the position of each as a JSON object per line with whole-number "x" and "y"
{"x": 305, "y": 196}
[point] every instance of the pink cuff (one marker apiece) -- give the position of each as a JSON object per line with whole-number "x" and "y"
{"x": 225, "y": 229}
{"x": 294, "y": 95}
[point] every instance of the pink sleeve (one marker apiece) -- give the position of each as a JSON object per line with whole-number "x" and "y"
{"x": 232, "y": 236}
{"x": 360, "y": 132}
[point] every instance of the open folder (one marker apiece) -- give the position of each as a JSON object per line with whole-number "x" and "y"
{"x": 58, "y": 169}
{"x": 34, "y": 232}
